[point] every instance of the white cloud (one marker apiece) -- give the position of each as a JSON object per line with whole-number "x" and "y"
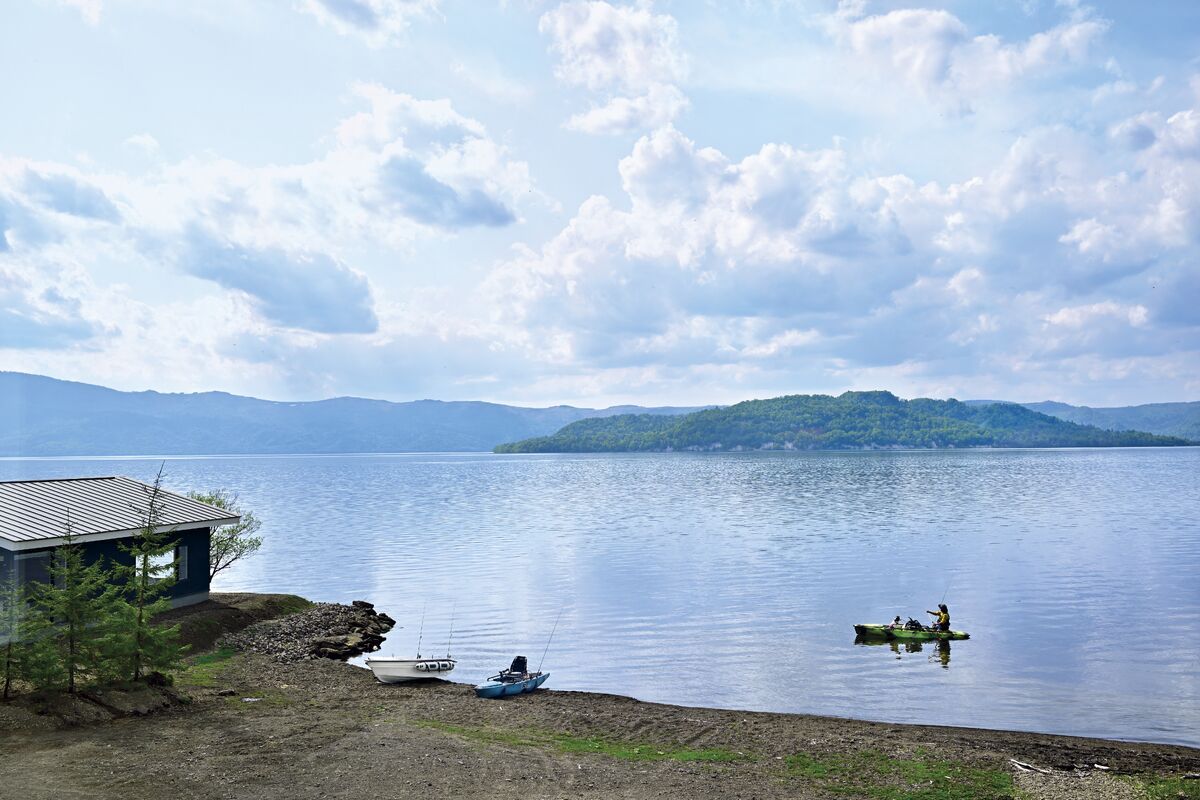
{"x": 661, "y": 104}
{"x": 933, "y": 53}
{"x": 402, "y": 169}
{"x": 309, "y": 291}
{"x": 90, "y": 10}
{"x": 604, "y": 47}
{"x": 795, "y": 262}
{"x": 1080, "y": 316}
{"x": 628, "y": 55}
{"x": 143, "y": 142}
{"x": 1053, "y": 253}
{"x": 41, "y": 310}
{"x": 492, "y": 82}
{"x": 377, "y": 21}
{"x": 781, "y": 342}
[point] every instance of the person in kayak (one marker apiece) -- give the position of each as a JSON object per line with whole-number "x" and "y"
{"x": 896, "y": 623}
{"x": 943, "y": 618}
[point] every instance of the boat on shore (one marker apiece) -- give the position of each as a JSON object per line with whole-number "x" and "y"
{"x": 517, "y": 679}
{"x": 389, "y": 669}
{"x": 919, "y": 633}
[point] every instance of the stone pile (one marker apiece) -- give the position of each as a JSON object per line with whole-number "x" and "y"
{"x": 327, "y": 630}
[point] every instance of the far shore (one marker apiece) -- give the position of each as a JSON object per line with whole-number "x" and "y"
{"x": 246, "y": 726}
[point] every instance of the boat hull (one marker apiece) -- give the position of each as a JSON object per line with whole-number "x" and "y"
{"x": 402, "y": 670}
{"x": 508, "y": 688}
{"x": 904, "y": 634}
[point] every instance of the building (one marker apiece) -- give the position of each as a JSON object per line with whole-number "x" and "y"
{"x": 103, "y": 513}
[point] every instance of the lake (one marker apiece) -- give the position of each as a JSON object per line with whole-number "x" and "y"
{"x": 733, "y": 580}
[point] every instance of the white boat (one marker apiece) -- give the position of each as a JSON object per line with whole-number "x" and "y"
{"x": 398, "y": 670}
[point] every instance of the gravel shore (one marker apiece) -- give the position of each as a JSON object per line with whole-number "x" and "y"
{"x": 298, "y": 729}
{"x": 324, "y": 630}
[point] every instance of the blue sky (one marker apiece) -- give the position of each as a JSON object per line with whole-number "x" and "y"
{"x": 595, "y": 203}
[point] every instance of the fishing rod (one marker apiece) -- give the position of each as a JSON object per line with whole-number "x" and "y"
{"x": 453, "y": 609}
{"x": 422, "y": 631}
{"x": 551, "y": 639}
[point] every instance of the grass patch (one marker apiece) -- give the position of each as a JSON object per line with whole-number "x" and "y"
{"x": 1169, "y": 788}
{"x": 571, "y": 743}
{"x": 205, "y": 669}
{"x": 260, "y": 700}
{"x": 291, "y": 604}
{"x": 874, "y": 775}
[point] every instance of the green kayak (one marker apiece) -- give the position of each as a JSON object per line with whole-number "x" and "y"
{"x": 920, "y": 635}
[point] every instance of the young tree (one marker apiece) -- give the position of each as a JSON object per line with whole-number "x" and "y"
{"x": 27, "y": 646}
{"x": 12, "y": 603}
{"x": 229, "y": 543}
{"x": 77, "y": 598}
{"x": 145, "y": 583}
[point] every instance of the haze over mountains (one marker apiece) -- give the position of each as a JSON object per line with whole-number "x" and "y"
{"x": 48, "y": 417}
{"x": 1169, "y": 419}
{"x": 44, "y": 416}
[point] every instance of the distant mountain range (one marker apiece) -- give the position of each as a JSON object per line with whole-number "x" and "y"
{"x": 853, "y": 420}
{"x": 42, "y": 416}
{"x": 1169, "y": 419}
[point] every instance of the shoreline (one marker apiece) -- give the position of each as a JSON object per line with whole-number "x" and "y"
{"x": 965, "y": 730}
{"x": 257, "y": 728}
{"x": 685, "y": 451}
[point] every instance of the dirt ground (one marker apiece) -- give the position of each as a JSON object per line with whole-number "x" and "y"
{"x": 323, "y": 729}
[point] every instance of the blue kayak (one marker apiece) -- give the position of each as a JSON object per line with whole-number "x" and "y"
{"x": 511, "y": 685}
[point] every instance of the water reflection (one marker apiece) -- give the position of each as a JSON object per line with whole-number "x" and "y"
{"x": 940, "y": 649}
{"x": 943, "y": 653}
{"x": 699, "y": 564}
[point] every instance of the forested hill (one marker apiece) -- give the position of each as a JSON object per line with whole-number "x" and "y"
{"x": 1170, "y": 419}
{"x": 853, "y": 420}
{"x": 41, "y": 416}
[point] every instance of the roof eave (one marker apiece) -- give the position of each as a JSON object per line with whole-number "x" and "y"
{"x": 100, "y": 536}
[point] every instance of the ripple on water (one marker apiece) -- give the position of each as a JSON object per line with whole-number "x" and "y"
{"x": 733, "y": 580}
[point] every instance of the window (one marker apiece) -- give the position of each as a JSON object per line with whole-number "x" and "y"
{"x": 176, "y": 559}
{"x": 158, "y": 566}
{"x": 32, "y": 566}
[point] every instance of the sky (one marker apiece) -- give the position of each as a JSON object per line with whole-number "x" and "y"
{"x": 596, "y": 203}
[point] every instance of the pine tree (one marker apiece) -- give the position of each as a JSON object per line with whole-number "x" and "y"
{"x": 145, "y": 583}
{"x": 28, "y": 650}
{"x": 77, "y": 599}
{"x": 12, "y": 603}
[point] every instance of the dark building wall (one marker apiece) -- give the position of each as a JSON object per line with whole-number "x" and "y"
{"x": 191, "y": 549}
{"x": 195, "y": 544}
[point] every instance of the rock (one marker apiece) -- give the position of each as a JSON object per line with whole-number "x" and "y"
{"x": 326, "y": 630}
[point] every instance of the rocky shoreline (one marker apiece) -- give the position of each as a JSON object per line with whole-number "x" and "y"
{"x": 282, "y": 717}
{"x": 325, "y": 630}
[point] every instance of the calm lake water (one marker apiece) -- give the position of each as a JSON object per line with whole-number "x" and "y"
{"x": 733, "y": 580}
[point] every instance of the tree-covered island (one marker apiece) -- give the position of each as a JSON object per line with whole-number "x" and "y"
{"x": 850, "y": 421}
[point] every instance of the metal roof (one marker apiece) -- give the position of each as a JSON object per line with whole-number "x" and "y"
{"x": 33, "y": 512}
